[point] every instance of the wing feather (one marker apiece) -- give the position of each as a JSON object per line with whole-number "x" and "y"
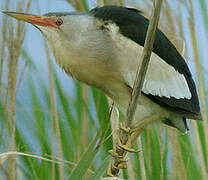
{"x": 174, "y": 89}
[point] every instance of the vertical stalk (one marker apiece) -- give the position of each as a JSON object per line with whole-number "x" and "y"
{"x": 141, "y": 160}
{"x": 201, "y": 94}
{"x": 12, "y": 105}
{"x": 141, "y": 72}
{"x": 3, "y": 44}
{"x": 146, "y": 54}
{"x": 14, "y": 42}
{"x": 85, "y": 119}
{"x": 54, "y": 114}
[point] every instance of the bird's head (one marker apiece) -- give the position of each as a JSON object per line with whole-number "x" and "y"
{"x": 66, "y": 32}
{"x": 75, "y": 38}
{"x": 55, "y": 26}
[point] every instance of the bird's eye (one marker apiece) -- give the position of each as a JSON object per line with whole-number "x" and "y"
{"x": 59, "y": 22}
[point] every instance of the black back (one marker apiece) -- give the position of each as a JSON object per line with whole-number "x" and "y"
{"x": 134, "y": 25}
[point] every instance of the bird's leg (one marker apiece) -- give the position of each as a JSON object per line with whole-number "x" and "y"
{"x": 123, "y": 145}
{"x": 139, "y": 127}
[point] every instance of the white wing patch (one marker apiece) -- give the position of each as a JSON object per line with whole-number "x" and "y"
{"x": 161, "y": 79}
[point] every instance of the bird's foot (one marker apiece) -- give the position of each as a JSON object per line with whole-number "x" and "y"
{"x": 119, "y": 152}
{"x": 117, "y": 163}
{"x": 127, "y": 146}
{"x": 115, "y": 167}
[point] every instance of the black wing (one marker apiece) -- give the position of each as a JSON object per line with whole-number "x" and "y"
{"x": 134, "y": 26}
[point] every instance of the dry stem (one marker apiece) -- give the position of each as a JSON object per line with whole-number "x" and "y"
{"x": 54, "y": 114}
{"x": 124, "y": 133}
{"x": 13, "y": 41}
{"x": 201, "y": 92}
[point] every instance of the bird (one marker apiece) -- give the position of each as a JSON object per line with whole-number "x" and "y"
{"x": 103, "y": 47}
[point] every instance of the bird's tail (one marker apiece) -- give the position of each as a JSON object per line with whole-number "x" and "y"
{"x": 179, "y": 123}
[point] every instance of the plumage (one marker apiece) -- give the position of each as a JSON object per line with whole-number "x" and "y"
{"x": 134, "y": 26}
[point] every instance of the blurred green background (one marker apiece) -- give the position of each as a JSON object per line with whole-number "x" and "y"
{"x": 53, "y": 127}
